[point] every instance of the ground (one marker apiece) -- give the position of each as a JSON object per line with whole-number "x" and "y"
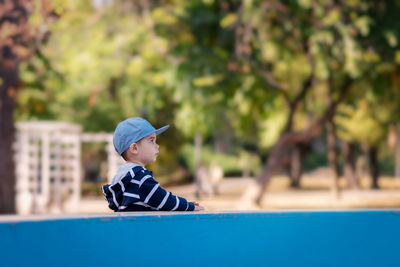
{"x": 314, "y": 193}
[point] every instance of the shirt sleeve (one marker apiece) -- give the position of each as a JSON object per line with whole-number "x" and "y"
{"x": 152, "y": 194}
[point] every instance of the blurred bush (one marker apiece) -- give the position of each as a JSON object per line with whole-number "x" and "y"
{"x": 315, "y": 160}
{"x": 232, "y": 164}
{"x": 91, "y": 189}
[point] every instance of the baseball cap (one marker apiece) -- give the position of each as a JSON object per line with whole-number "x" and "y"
{"x": 132, "y": 130}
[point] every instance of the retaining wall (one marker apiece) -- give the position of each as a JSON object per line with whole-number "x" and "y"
{"x": 299, "y": 238}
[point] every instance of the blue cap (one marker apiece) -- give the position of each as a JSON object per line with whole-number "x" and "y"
{"x": 132, "y": 130}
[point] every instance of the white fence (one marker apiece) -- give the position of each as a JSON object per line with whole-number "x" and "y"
{"x": 48, "y": 165}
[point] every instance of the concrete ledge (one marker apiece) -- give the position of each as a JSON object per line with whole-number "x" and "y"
{"x": 285, "y": 238}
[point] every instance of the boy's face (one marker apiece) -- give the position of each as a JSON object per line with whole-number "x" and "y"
{"x": 148, "y": 149}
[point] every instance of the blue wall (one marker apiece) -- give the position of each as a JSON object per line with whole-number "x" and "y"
{"x": 311, "y": 238}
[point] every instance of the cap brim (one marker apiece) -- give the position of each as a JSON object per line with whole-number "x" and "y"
{"x": 162, "y": 129}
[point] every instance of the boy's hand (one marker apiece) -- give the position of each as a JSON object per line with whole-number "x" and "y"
{"x": 197, "y": 206}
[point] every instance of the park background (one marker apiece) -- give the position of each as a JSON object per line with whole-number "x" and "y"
{"x": 300, "y": 98}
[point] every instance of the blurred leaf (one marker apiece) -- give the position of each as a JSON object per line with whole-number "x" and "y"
{"x": 391, "y": 38}
{"x": 207, "y": 80}
{"x": 228, "y": 20}
{"x": 397, "y": 57}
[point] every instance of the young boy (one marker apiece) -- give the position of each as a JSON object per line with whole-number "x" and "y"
{"x": 134, "y": 188}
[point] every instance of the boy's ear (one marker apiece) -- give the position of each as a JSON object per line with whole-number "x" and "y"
{"x": 133, "y": 148}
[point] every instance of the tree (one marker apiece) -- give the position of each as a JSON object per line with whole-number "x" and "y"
{"x": 119, "y": 65}
{"x": 21, "y": 35}
{"x": 328, "y": 36}
{"x": 373, "y": 107}
{"x": 269, "y": 73}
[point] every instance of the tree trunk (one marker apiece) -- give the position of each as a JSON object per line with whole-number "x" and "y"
{"x": 397, "y": 153}
{"x": 280, "y": 152}
{"x": 296, "y": 166}
{"x": 15, "y": 45}
{"x": 361, "y": 166}
{"x": 198, "y": 140}
{"x": 246, "y": 173}
{"x": 332, "y": 156}
{"x": 8, "y": 89}
{"x": 223, "y": 139}
{"x": 279, "y": 156}
{"x": 374, "y": 166}
{"x": 352, "y": 178}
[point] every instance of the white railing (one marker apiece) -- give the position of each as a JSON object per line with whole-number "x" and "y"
{"x": 48, "y": 165}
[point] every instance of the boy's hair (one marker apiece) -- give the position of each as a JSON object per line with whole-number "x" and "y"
{"x": 132, "y": 130}
{"x": 124, "y": 155}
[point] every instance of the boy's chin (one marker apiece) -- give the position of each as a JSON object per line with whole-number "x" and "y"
{"x": 152, "y": 160}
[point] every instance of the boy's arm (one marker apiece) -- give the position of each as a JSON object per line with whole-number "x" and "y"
{"x": 155, "y": 196}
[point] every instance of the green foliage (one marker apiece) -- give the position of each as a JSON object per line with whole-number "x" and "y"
{"x": 232, "y": 164}
{"x": 212, "y": 67}
{"x": 315, "y": 160}
{"x": 104, "y": 65}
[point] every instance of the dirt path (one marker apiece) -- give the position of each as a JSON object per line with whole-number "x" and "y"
{"x": 314, "y": 194}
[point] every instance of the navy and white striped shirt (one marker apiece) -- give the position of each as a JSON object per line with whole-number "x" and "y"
{"x": 139, "y": 191}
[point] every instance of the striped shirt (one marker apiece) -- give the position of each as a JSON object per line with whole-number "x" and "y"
{"x": 139, "y": 191}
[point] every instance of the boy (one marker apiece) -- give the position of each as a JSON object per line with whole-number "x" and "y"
{"x": 134, "y": 188}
